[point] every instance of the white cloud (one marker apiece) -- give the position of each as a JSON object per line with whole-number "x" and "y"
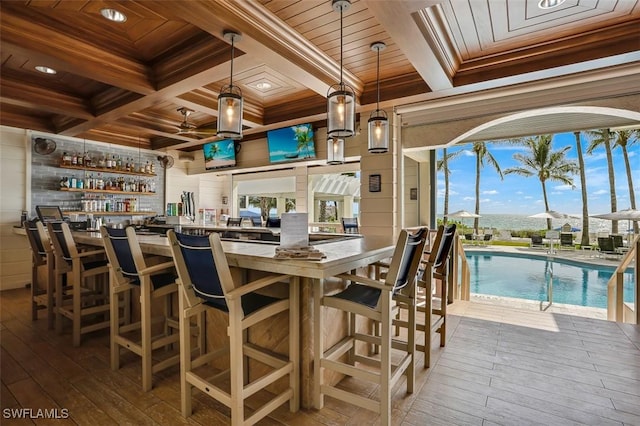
{"x": 562, "y": 187}
{"x": 600, "y": 192}
{"x": 528, "y": 197}
{"x": 490, "y": 192}
{"x": 519, "y": 192}
{"x": 468, "y": 198}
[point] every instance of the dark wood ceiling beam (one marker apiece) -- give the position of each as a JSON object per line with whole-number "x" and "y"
{"x": 394, "y": 88}
{"x": 117, "y": 138}
{"x": 150, "y": 128}
{"x": 21, "y": 93}
{"x": 60, "y": 51}
{"x": 16, "y": 119}
{"x": 611, "y": 41}
{"x": 188, "y": 83}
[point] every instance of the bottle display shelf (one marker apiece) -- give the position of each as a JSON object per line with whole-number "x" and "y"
{"x": 106, "y": 191}
{"x": 105, "y": 170}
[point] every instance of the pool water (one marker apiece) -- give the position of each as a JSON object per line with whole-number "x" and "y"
{"x": 512, "y": 275}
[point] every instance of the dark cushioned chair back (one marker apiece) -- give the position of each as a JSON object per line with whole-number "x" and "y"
{"x": 120, "y": 243}
{"x": 410, "y": 261}
{"x": 256, "y": 221}
{"x": 58, "y": 234}
{"x": 201, "y": 267}
{"x": 350, "y": 225}
{"x": 34, "y": 237}
{"x": 234, "y": 221}
{"x": 445, "y": 246}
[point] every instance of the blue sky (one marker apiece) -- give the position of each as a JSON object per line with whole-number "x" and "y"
{"x": 519, "y": 195}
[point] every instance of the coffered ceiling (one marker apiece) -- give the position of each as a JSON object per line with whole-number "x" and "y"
{"x": 123, "y": 82}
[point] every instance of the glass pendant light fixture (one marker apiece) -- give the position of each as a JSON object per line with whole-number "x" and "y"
{"x": 341, "y": 99}
{"x": 378, "y": 122}
{"x": 335, "y": 150}
{"x": 230, "y": 100}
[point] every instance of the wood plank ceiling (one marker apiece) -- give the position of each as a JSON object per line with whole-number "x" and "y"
{"x": 124, "y": 82}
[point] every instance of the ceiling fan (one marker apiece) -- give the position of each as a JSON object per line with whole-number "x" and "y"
{"x": 189, "y": 128}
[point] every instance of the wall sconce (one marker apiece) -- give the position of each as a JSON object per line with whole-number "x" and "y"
{"x": 225, "y": 200}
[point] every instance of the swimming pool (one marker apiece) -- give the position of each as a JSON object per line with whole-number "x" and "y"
{"x": 526, "y": 277}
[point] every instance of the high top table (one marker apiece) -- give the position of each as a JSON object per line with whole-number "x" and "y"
{"x": 342, "y": 256}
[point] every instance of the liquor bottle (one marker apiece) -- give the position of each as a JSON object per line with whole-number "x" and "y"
{"x": 119, "y": 163}
{"x": 80, "y": 159}
{"x": 66, "y": 159}
{"x": 72, "y": 182}
{"x": 153, "y": 168}
{"x": 87, "y": 159}
{"x": 74, "y": 159}
{"x": 147, "y": 168}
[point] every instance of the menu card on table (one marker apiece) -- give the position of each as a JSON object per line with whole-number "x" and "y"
{"x": 294, "y": 230}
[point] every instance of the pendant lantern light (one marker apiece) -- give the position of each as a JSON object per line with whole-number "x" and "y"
{"x": 378, "y": 122}
{"x": 335, "y": 150}
{"x": 341, "y": 99}
{"x": 230, "y": 100}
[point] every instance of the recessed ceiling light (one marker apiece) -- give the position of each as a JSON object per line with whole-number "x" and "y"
{"x": 549, "y": 4}
{"x": 46, "y": 70}
{"x": 113, "y": 15}
{"x": 263, "y": 85}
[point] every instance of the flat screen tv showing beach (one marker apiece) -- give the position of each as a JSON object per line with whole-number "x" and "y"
{"x": 219, "y": 154}
{"x": 291, "y": 143}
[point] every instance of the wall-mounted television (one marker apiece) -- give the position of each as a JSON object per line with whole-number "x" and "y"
{"x": 291, "y": 143}
{"x": 219, "y": 154}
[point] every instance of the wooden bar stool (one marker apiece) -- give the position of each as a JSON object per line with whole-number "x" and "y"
{"x": 372, "y": 300}
{"x": 41, "y": 292}
{"x": 129, "y": 272}
{"x": 80, "y": 301}
{"x": 205, "y": 282}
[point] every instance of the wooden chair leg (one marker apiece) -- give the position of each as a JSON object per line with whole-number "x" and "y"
{"x": 411, "y": 344}
{"x": 385, "y": 363}
{"x": 145, "y": 325}
{"x": 185, "y": 358}
{"x": 58, "y": 307}
{"x": 294, "y": 342}
{"x": 236, "y": 338}
{"x": 77, "y": 305}
{"x": 115, "y": 324}
{"x": 34, "y": 292}
{"x": 318, "y": 339}
{"x": 50, "y": 292}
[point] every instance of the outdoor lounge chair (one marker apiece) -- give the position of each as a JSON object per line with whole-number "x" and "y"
{"x": 606, "y": 247}
{"x": 617, "y": 241}
{"x": 566, "y": 241}
{"x": 536, "y": 241}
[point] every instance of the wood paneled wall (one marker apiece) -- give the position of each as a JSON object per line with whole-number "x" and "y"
{"x": 15, "y": 255}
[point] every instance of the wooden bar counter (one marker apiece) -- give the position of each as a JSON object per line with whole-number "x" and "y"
{"x": 342, "y": 256}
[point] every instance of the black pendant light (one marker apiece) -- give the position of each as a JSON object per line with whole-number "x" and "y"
{"x": 341, "y": 99}
{"x": 230, "y": 100}
{"x": 335, "y": 150}
{"x": 378, "y": 122}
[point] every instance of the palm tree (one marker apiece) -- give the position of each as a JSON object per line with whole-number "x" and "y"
{"x": 603, "y": 138}
{"x": 546, "y": 164}
{"x": 265, "y": 204}
{"x": 583, "y": 183}
{"x": 482, "y": 155}
{"x": 443, "y": 166}
{"x": 623, "y": 138}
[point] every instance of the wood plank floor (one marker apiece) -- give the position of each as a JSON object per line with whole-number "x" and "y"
{"x": 500, "y": 366}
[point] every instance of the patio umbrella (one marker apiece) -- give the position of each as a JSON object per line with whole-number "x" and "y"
{"x": 463, "y": 214}
{"x": 627, "y": 214}
{"x": 552, "y": 214}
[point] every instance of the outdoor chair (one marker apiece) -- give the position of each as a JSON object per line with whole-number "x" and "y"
{"x": 81, "y": 301}
{"x": 566, "y": 241}
{"x": 350, "y": 225}
{"x": 131, "y": 278}
{"x": 617, "y": 240}
{"x": 370, "y": 299}
{"x": 205, "y": 283}
{"x": 536, "y": 241}
{"x": 42, "y": 255}
{"x": 256, "y": 221}
{"x": 606, "y": 247}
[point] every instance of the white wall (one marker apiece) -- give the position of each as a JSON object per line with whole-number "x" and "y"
{"x": 15, "y": 255}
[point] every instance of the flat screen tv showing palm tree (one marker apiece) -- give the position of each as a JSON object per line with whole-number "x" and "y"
{"x": 291, "y": 143}
{"x": 219, "y": 154}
